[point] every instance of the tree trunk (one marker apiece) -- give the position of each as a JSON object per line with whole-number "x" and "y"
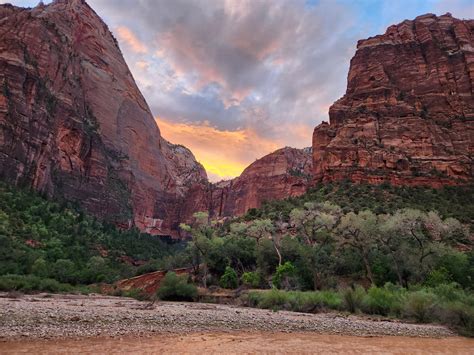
{"x": 317, "y": 280}
{"x": 368, "y": 269}
{"x": 397, "y": 270}
{"x": 278, "y": 252}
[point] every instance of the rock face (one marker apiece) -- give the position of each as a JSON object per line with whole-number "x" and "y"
{"x": 408, "y": 113}
{"x": 281, "y": 174}
{"x": 74, "y": 125}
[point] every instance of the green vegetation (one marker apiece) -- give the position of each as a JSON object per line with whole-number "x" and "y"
{"x": 395, "y": 254}
{"x": 449, "y": 201}
{"x": 389, "y": 251}
{"x": 229, "y": 279}
{"x": 29, "y": 283}
{"x": 176, "y": 288}
{"x": 43, "y": 241}
{"x": 420, "y": 304}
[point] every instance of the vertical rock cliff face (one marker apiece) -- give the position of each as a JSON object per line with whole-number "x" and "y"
{"x": 408, "y": 113}
{"x": 279, "y": 175}
{"x": 73, "y": 123}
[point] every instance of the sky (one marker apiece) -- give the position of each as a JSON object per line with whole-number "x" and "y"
{"x": 234, "y": 80}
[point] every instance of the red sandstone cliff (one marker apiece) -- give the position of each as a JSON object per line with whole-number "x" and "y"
{"x": 74, "y": 125}
{"x": 279, "y": 175}
{"x": 408, "y": 113}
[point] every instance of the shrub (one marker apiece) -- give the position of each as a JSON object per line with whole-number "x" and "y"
{"x": 459, "y": 316}
{"x": 295, "y": 300}
{"x": 135, "y": 293}
{"x": 449, "y": 292}
{"x": 251, "y": 279}
{"x": 353, "y": 298}
{"x": 380, "y": 301}
{"x": 419, "y": 305}
{"x": 284, "y": 276}
{"x": 437, "y": 277}
{"x": 30, "y": 283}
{"x": 176, "y": 288}
{"x": 229, "y": 279}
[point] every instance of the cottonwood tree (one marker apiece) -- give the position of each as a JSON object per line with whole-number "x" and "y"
{"x": 201, "y": 234}
{"x": 358, "y": 231}
{"x": 420, "y": 237}
{"x": 315, "y": 224}
{"x": 259, "y": 229}
{"x": 411, "y": 225}
{"x": 393, "y": 245}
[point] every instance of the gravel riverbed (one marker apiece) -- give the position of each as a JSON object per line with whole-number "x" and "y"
{"x": 46, "y": 316}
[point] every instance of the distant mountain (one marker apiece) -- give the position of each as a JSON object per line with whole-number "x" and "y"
{"x": 281, "y": 174}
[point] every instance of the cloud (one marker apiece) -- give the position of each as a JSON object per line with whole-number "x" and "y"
{"x": 128, "y": 37}
{"x": 262, "y": 66}
{"x": 224, "y": 154}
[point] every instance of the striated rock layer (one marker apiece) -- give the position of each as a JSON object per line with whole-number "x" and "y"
{"x": 74, "y": 125}
{"x": 279, "y": 175}
{"x": 408, "y": 113}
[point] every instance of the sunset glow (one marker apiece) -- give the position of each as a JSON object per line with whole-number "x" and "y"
{"x": 224, "y": 154}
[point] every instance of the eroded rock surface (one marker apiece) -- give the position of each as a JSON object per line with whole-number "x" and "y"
{"x": 74, "y": 125}
{"x": 408, "y": 113}
{"x": 281, "y": 174}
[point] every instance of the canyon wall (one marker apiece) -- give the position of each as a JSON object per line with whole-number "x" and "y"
{"x": 74, "y": 125}
{"x": 279, "y": 175}
{"x": 408, "y": 113}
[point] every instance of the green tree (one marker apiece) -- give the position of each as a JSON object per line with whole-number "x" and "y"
{"x": 176, "y": 288}
{"x": 251, "y": 279}
{"x": 284, "y": 277}
{"x": 358, "y": 231}
{"x": 229, "y": 279}
{"x": 40, "y": 268}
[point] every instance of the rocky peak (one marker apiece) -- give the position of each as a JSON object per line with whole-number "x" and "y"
{"x": 408, "y": 113}
{"x": 74, "y": 125}
{"x": 278, "y": 175}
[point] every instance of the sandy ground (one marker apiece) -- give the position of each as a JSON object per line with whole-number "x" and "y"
{"x": 246, "y": 343}
{"x": 47, "y": 323}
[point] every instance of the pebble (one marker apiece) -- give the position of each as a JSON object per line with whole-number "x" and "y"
{"x": 77, "y": 316}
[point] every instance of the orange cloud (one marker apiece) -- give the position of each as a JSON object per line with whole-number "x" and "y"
{"x": 224, "y": 154}
{"x": 131, "y": 40}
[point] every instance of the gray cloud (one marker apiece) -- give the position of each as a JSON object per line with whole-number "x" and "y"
{"x": 260, "y": 64}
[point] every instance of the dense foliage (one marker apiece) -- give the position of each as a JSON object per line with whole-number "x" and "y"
{"x": 449, "y": 201}
{"x": 320, "y": 246}
{"x": 47, "y": 240}
{"x": 176, "y": 288}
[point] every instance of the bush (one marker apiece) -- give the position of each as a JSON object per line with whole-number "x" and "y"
{"x": 381, "y": 301}
{"x": 460, "y": 316}
{"x": 30, "y": 283}
{"x": 449, "y": 292}
{"x": 251, "y": 279}
{"x": 438, "y": 277}
{"x": 284, "y": 276}
{"x": 353, "y": 298}
{"x": 135, "y": 293}
{"x": 419, "y": 305}
{"x": 176, "y": 288}
{"x": 229, "y": 279}
{"x": 296, "y": 301}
